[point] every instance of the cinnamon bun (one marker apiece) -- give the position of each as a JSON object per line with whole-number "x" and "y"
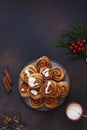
{"x": 36, "y": 103}
{"x": 24, "y": 89}
{"x": 64, "y": 88}
{"x": 49, "y": 89}
{"x": 58, "y": 91}
{"x": 25, "y": 73}
{"x": 58, "y": 73}
{"x": 51, "y": 102}
{"x": 35, "y": 80}
{"x": 35, "y": 93}
{"x": 46, "y": 72}
{"x": 41, "y": 62}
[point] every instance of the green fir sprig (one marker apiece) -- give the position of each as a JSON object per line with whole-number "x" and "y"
{"x": 75, "y": 41}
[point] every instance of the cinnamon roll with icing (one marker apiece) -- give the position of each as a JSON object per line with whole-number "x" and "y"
{"x": 26, "y": 72}
{"x": 51, "y": 102}
{"x": 35, "y": 93}
{"x": 58, "y": 73}
{"x": 46, "y": 72}
{"x": 36, "y": 103}
{"x": 35, "y": 80}
{"x": 64, "y": 88}
{"x": 24, "y": 89}
{"x": 49, "y": 89}
{"x": 41, "y": 62}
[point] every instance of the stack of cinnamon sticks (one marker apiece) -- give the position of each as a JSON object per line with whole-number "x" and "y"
{"x": 7, "y": 81}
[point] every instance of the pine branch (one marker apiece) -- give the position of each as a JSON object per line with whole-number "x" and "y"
{"x": 69, "y": 34}
{"x": 77, "y": 34}
{"x": 62, "y": 43}
{"x": 67, "y": 51}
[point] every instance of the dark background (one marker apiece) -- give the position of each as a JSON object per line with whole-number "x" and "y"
{"x": 28, "y": 30}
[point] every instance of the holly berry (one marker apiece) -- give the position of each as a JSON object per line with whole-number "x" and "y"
{"x": 76, "y": 46}
{"x": 84, "y": 41}
{"x": 79, "y": 49}
{"x": 71, "y": 48}
{"x": 78, "y": 42}
{"x": 74, "y": 51}
{"x": 83, "y": 48}
{"x": 81, "y": 44}
{"x": 73, "y": 44}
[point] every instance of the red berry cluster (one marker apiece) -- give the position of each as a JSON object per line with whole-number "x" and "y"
{"x": 78, "y": 46}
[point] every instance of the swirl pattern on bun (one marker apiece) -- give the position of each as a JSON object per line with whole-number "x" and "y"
{"x": 58, "y": 73}
{"x": 26, "y": 72}
{"x": 36, "y": 103}
{"x": 51, "y": 102}
{"x": 64, "y": 88}
{"x": 49, "y": 88}
{"x": 46, "y": 72}
{"x": 35, "y": 93}
{"x": 35, "y": 80}
{"x": 42, "y": 62}
{"x": 24, "y": 89}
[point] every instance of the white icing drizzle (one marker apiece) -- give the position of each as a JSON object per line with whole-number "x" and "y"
{"x": 27, "y": 73}
{"x": 22, "y": 89}
{"x": 46, "y": 72}
{"x": 47, "y": 88}
{"x": 31, "y": 82}
{"x": 34, "y": 92}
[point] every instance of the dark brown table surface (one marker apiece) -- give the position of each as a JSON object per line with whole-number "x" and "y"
{"x": 28, "y": 30}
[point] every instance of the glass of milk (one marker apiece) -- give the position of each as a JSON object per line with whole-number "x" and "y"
{"x": 74, "y": 111}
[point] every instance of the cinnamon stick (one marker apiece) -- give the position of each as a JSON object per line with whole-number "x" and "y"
{"x": 8, "y": 75}
{"x": 6, "y": 84}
